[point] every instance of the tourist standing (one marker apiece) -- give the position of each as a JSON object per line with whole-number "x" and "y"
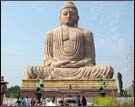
{"x": 33, "y": 102}
{"x": 52, "y": 102}
{"x": 84, "y": 101}
{"x": 78, "y": 100}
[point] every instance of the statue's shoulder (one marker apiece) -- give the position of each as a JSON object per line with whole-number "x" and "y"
{"x": 86, "y": 32}
{"x": 49, "y": 32}
{"x": 53, "y": 30}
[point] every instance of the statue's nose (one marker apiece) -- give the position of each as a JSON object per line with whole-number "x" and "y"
{"x": 69, "y": 15}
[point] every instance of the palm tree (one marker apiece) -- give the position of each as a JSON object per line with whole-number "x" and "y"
{"x": 119, "y": 76}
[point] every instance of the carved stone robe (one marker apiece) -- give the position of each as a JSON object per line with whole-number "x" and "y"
{"x": 69, "y": 54}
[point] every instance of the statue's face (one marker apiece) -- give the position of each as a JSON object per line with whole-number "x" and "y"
{"x": 69, "y": 16}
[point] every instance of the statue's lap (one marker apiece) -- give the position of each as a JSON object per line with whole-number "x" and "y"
{"x": 87, "y": 72}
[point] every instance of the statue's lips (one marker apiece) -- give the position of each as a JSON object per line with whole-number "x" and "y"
{"x": 69, "y": 20}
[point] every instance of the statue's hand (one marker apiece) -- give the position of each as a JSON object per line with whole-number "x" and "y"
{"x": 59, "y": 63}
{"x": 81, "y": 63}
{"x": 85, "y": 62}
{"x": 72, "y": 64}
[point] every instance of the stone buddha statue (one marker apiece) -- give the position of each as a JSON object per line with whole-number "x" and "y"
{"x": 69, "y": 51}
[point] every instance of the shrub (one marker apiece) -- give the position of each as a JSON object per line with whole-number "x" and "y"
{"x": 110, "y": 101}
{"x": 105, "y": 101}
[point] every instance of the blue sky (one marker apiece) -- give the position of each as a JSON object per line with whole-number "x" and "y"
{"x": 24, "y": 24}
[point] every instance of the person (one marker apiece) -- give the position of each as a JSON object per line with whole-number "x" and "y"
{"x": 27, "y": 101}
{"x": 22, "y": 101}
{"x": 69, "y": 51}
{"x": 52, "y": 102}
{"x": 78, "y": 100}
{"x": 18, "y": 102}
{"x": 43, "y": 102}
{"x": 84, "y": 101}
{"x": 33, "y": 102}
{"x": 61, "y": 103}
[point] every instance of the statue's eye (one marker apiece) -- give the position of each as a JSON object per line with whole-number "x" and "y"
{"x": 64, "y": 14}
{"x": 72, "y": 13}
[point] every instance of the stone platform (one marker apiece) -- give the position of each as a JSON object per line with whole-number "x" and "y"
{"x": 59, "y": 88}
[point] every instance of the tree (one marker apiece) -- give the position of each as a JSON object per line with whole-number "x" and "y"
{"x": 101, "y": 89}
{"x": 119, "y": 76}
{"x": 13, "y": 92}
{"x": 38, "y": 90}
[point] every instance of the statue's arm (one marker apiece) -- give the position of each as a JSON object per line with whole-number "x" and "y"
{"x": 89, "y": 54}
{"x": 48, "y": 54}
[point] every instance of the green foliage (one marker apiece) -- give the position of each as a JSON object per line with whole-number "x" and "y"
{"x": 38, "y": 96}
{"x": 101, "y": 89}
{"x": 119, "y": 76}
{"x": 110, "y": 101}
{"x": 13, "y": 92}
{"x": 126, "y": 94}
{"x": 38, "y": 89}
{"x": 42, "y": 85}
{"x": 121, "y": 93}
{"x": 105, "y": 101}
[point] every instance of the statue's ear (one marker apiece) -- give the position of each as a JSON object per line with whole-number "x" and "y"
{"x": 78, "y": 18}
{"x": 60, "y": 18}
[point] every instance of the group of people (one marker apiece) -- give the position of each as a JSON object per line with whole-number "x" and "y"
{"x": 48, "y": 102}
{"x": 29, "y": 102}
{"x": 34, "y": 102}
{"x": 80, "y": 102}
{"x": 25, "y": 102}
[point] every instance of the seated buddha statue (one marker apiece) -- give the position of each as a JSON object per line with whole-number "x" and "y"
{"x": 69, "y": 52}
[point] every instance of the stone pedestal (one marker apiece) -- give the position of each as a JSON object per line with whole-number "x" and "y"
{"x": 59, "y": 88}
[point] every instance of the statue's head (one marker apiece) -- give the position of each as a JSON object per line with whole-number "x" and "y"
{"x": 69, "y": 14}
